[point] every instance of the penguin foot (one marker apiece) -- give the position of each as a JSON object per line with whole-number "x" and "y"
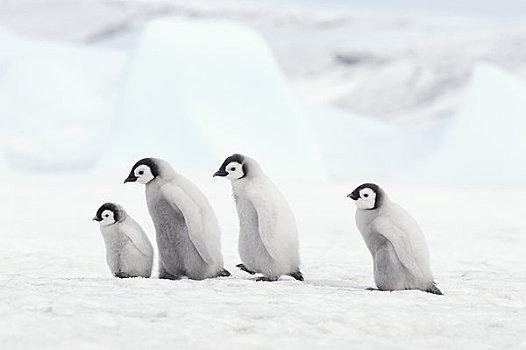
{"x": 373, "y": 289}
{"x": 265, "y": 279}
{"x": 297, "y": 275}
{"x": 244, "y": 268}
{"x": 121, "y": 275}
{"x": 224, "y": 273}
{"x": 168, "y": 276}
{"x": 434, "y": 289}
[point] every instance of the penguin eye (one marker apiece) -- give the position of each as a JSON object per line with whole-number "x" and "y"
{"x": 141, "y": 172}
{"x": 366, "y": 195}
{"x": 233, "y": 169}
{"x": 106, "y": 215}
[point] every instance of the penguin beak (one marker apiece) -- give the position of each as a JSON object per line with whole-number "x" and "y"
{"x": 353, "y": 196}
{"x": 220, "y": 172}
{"x": 130, "y": 179}
{"x": 97, "y": 219}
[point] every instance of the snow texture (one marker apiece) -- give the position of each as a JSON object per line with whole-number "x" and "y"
{"x": 56, "y": 291}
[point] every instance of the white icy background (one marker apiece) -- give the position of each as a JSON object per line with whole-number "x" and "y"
{"x": 56, "y": 290}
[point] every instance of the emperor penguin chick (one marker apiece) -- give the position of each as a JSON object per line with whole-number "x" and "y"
{"x": 187, "y": 231}
{"x": 129, "y": 253}
{"x": 268, "y": 238}
{"x": 395, "y": 240}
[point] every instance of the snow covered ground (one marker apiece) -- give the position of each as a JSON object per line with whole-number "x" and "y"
{"x": 57, "y": 293}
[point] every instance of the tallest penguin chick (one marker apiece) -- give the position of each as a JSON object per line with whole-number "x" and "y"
{"x": 187, "y": 231}
{"x": 268, "y": 239}
{"x": 396, "y": 242}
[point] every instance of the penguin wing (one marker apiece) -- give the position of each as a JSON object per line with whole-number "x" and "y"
{"x": 267, "y": 225}
{"x": 192, "y": 213}
{"x": 138, "y": 237}
{"x": 401, "y": 243}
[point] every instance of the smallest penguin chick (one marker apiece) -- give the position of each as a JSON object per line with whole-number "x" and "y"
{"x": 129, "y": 253}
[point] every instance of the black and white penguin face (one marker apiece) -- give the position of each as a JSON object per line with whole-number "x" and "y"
{"x": 144, "y": 171}
{"x": 107, "y": 218}
{"x": 366, "y": 196}
{"x": 108, "y": 214}
{"x": 233, "y": 168}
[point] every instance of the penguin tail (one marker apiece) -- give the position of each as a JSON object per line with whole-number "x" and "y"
{"x": 297, "y": 275}
{"x": 434, "y": 289}
{"x": 224, "y": 273}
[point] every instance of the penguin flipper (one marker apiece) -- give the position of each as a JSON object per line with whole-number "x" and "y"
{"x": 244, "y": 268}
{"x": 266, "y": 217}
{"x": 401, "y": 244}
{"x": 434, "y": 289}
{"x": 192, "y": 213}
{"x": 297, "y": 275}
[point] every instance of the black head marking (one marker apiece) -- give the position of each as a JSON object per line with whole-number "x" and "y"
{"x": 238, "y": 158}
{"x": 149, "y": 162}
{"x": 117, "y": 215}
{"x": 354, "y": 195}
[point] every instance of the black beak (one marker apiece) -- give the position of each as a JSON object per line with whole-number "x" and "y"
{"x": 353, "y": 196}
{"x": 130, "y": 179}
{"x": 220, "y": 173}
{"x": 97, "y": 219}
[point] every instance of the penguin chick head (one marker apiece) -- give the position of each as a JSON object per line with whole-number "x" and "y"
{"x": 109, "y": 213}
{"x": 233, "y": 168}
{"x": 367, "y": 196}
{"x": 144, "y": 171}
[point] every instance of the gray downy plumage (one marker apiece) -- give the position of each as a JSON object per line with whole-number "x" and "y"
{"x": 129, "y": 252}
{"x": 268, "y": 239}
{"x": 395, "y": 241}
{"x": 187, "y": 231}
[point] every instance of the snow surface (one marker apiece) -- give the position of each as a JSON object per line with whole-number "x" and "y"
{"x": 56, "y": 291}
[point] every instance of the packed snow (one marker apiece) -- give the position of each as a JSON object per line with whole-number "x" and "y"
{"x": 57, "y": 292}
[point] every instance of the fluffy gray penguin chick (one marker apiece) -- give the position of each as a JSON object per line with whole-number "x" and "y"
{"x": 129, "y": 253}
{"x": 395, "y": 240}
{"x": 187, "y": 231}
{"x": 268, "y": 238}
